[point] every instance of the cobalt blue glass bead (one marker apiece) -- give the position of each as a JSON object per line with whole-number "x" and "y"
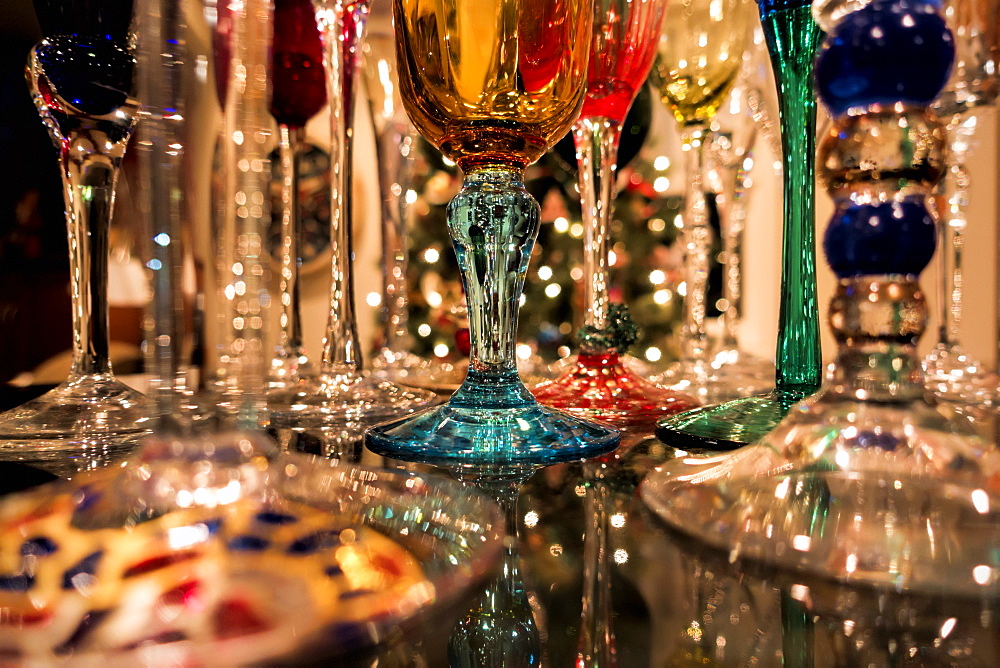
{"x": 896, "y": 237}
{"x": 889, "y": 51}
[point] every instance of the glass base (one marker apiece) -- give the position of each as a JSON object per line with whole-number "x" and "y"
{"x": 332, "y": 399}
{"x": 342, "y": 441}
{"x": 890, "y": 493}
{"x": 561, "y": 366}
{"x": 494, "y": 438}
{"x": 425, "y": 374}
{"x": 951, "y": 374}
{"x": 729, "y": 425}
{"x": 289, "y": 366}
{"x": 729, "y": 374}
{"x": 82, "y": 424}
{"x": 600, "y": 387}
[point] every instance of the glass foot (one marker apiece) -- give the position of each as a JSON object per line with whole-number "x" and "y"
{"x": 82, "y": 424}
{"x": 521, "y": 436}
{"x": 432, "y": 375}
{"x": 332, "y": 399}
{"x": 726, "y": 426}
{"x": 837, "y": 477}
{"x": 600, "y": 387}
{"x": 951, "y": 374}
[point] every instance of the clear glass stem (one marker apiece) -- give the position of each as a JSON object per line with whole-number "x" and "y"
{"x": 395, "y": 164}
{"x": 596, "y": 142}
{"x": 247, "y": 123}
{"x": 792, "y": 38}
{"x": 734, "y": 216}
{"x": 952, "y": 243}
{"x": 289, "y": 149}
{"x": 596, "y": 647}
{"x": 88, "y": 188}
{"x": 161, "y": 151}
{"x": 342, "y": 28}
{"x": 696, "y": 239}
{"x": 493, "y": 223}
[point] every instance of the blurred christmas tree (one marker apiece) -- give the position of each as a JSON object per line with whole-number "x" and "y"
{"x": 646, "y": 271}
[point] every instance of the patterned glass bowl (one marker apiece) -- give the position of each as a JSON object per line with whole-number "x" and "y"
{"x": 222, "y": 550}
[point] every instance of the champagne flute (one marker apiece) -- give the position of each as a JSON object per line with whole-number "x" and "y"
{"x": 792, "y": 37}
{"x": 701, "y": 53}
{"x": 598, "y": 385}
{"x": 493, "y": 85}
{"x": 952, "y": 374}
{"x": 82, "y": 82}
{"x": 298, "y": 93}
{"x": 343, "y": 393}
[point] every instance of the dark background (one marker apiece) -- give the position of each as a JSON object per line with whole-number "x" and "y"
{"x": 34, "y": 269}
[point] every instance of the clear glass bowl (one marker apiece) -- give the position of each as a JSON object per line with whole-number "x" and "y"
{"x": 223, "y": 550}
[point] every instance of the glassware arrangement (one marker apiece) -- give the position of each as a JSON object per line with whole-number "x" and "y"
{"x": 343, "y": 398}
{"x": 81, "y": 78}
{"x": 298, "y": 93}
{"x": 598, "y": 385}
{"x": 952, "y": 373}
{"x": 866, "y": 481}
{"x": 493, "y": 86}
{"x": 215, "y": 547}
{"x": 792, "y": 37}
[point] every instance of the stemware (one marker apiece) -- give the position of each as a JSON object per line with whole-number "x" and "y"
{"x": 396, "y": 144}
{"x": 81, "y": 78}
{"x": 866, "y": 481}
{"x": 493, "y": 86}
{"x": 298, "y": 93}
{"x": 952, "y": 373}
{"x": 598, "y": 385}
{"x": 730, "y": 145}
{"x": 792, "y": 37}
{"x": 701, "y": 55}
{"x": 343, "y": 395}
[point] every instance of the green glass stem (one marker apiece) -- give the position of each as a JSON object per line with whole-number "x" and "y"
{"x": 792, "y": 39}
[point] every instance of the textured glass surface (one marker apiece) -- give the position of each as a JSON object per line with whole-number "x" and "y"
{"x": 492, "y": 417}
{"x": 792, "y": 39}
{"x": 222, "y": 549}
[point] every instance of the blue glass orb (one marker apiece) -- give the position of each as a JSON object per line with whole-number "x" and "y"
{"x": 895, "y": 237}
{"x": 889, "y": 51}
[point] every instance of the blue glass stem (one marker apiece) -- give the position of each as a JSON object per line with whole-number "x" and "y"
{"x": 493, "y": 223}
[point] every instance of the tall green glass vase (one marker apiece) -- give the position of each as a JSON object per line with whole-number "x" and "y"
{"x": 792, "y": 40}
